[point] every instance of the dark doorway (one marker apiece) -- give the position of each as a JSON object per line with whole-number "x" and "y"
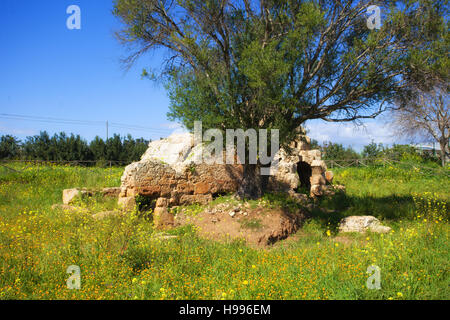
{"x": 304, "y": 173}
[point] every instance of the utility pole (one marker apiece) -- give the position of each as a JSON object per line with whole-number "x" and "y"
{"x": 106, "y": 129}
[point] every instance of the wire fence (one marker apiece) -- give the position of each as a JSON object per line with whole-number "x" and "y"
{"x": 370, "y": 162}
{"x": 18, "y": 166}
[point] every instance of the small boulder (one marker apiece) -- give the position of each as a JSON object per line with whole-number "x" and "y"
{"x": 111, "y": 192}
{"x": 69, "y": 195}
{"x": 339, "y": 187}
{"x": 316, "y": 190}
{"x": 195, "y": 198}
{"x": 329, "y": 175}
{"x": 362, "y": 224}
{"x": 300, "y": 197}
{"x": 127, "y": 203}
{"x": 162, "y": 218}
{"x": 317, "y": 179}
{"x": 162, "y": 202}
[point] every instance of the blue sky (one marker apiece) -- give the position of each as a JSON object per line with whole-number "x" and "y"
{"x": 48, "y": 70}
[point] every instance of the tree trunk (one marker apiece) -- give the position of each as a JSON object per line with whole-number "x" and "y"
{"x": 444, "y": 152}
{"x": 251, "y": 186}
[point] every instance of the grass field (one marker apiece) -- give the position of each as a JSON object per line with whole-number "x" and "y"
{"x": 124, "y": 258}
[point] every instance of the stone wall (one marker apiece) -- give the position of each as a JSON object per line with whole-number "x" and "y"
{"x": 287, "y": 176}
{"x": 167, "y": 171}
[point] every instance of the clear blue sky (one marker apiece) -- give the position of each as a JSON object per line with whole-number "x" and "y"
{"x": 48, "y": 70}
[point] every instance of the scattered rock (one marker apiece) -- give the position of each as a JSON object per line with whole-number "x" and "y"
{"x": 174, "y": 168}
{"x": 162, "y": 202}
{"x": 195, "y": 198}
{"x": 329, "y": 175}
{"x": 69, "y": 195}
{"x": 316, "y": 191}
{"x": 339, "y": 187}
{"x": 362, "y": 224}
{"x": 127, "y": 203}
{"x": 162, "y": 218}
{"x": 317, "y": 180}
{"x": 232, "y": 213}
{"x": 112, "y": 192}
{"x": 300, "y": 197}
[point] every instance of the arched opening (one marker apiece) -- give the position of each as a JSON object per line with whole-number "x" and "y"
{"x": 304, "y": 173}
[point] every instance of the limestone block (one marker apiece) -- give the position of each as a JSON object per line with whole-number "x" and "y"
{"x": 127, "y": 203}
{"x": 329, "y": 175}
{"x": 362, "y": 224}
{"x": 162, "y": 218}
{"x": 317, "y": 179}
{"x": 162, "y": 202}
{"x": 69, "y": 195}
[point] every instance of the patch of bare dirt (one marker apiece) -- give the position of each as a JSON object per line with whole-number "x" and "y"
{"x": 258, "y": 227}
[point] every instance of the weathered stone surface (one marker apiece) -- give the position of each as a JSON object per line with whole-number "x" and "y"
{"x": 329, "y": 175}
{"x": 162, "y": 218}
{"x": 157, "y": 179}
{"x": 162, "y": 202}
{"x": 127, "y": 203}
{"x": 362, "y": 224}
{"x": 339, "y": 187}
{"x": 171, "y": 169}
{"x": 302, "y": 198}
{"x": 171, "y": 150}
{"x": 316, "y": 190}
{"x": 317, "y": 179}
{"x": 319, "y": 163}
{"x": 111, "y": 192}
{"x": 195, "y": 198}
{"x": 69, "y": 195}
{"x": 202, "y": 187}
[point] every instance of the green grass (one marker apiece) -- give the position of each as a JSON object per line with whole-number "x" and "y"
{"x": 122, "y": 257}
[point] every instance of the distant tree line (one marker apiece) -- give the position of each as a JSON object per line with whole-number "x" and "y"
{"x": 63, "y": 147}
{"x": 398, "y": 152}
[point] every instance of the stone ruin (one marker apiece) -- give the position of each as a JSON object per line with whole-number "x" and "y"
{"x": 168, "y": 176}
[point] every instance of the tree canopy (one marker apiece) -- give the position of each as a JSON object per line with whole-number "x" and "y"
{"x": 275, "y": 64}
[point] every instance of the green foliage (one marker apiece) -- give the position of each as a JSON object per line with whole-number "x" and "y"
{"x": 372, "y": 150}
{"x": 273, "y": 67}
{"x": 9, "y": 147}
{"x": 61, "y": 147}
{"x": 427, "y": 61}
{"x": 336, "y": 151}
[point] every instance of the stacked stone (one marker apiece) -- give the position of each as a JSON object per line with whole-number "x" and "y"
{"x": 285, "y": 176}
{"x": 167, "y": 171}
{"x": 318, "y": 182}
{"x": 195, "y": 184}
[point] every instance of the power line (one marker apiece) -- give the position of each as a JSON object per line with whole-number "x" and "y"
{"x": 84, "y": 122}
{"x": 46, "y": 119}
